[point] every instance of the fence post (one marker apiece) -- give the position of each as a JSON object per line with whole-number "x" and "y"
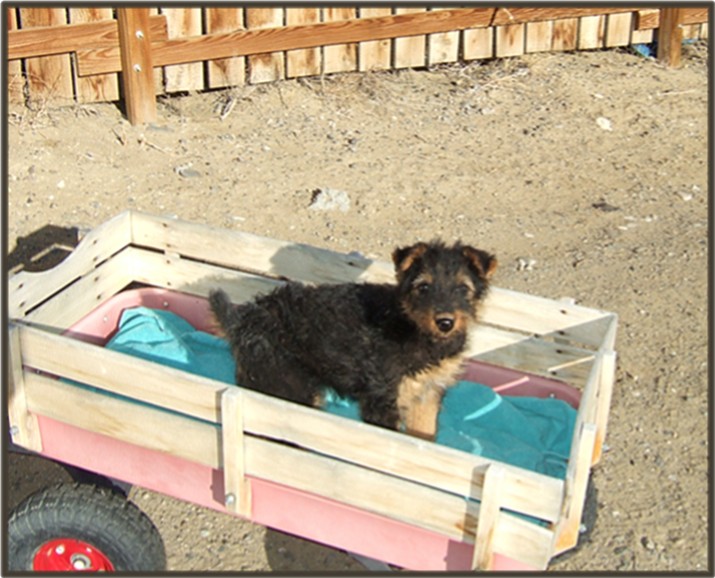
{"x": 670, "y": 36}
{"x": 137, "y": 69}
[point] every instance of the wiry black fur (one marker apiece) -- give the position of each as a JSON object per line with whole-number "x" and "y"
{"x": 359, "y": 339}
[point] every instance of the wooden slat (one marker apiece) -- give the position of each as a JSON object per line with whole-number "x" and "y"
{"x": 512, "y": 15}
{"x": 443, "y": 46}
{"x": 127, "y": 421}
{"x": 268, "y": 63}
{"x": 509, "y": 40}
{"x": 478, "y": 43}
{"x": 49, "y": 78}
{"x": 592, "y": 30}
{"x": 15, "y": 78}
{"x": 618, "y": 29}
{"x": 236, "y": 485}
{"x": 122, "y": 374}
{"x": 539, "y": 36}
{"x": 306, "y": 61}
{"x": 137, "y": 68}
{"x": 670, "y": 36}
{"x": 483, "y": 557}
{"x": 102, "y": 87}
{"x": 650, "y": 18}
{"x": 410, "y": 51}
{"x": 339, "y": 57}
{"x": 375, "y": 54}
{"x": 182, "y": 23}
{"x": 26, "y": 290}
{"x": 24, "y": 429}
{"x": 605, "y": 393}
{"x": 225, "y": 71}
{"x": 565, "y": 34}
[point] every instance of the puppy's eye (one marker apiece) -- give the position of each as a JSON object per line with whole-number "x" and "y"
{"x": 423, "y": 288}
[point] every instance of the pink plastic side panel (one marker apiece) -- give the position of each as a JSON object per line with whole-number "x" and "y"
{"x": 276, "y": 506}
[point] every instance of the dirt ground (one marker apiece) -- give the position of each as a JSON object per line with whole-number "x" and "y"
{"x": 585, "y": 173}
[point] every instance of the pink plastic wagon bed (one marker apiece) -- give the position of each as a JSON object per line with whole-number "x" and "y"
{"x": 293, "y": 511}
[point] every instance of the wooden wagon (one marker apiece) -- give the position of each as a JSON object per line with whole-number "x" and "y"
{"x": 378, "y": 493}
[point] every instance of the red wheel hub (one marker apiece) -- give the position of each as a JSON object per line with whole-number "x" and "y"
{"x": 68, "y": 555}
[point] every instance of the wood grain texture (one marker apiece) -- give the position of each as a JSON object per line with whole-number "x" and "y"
{"x": 225, "y": 71}
{"x": 305, "y": 61}
{"x": 268, "y": 62}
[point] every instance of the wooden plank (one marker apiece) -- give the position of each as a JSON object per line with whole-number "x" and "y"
{"x": 122, "y": 374}
{"x": 48, "y": 40}
{"x": 592, "y": 31}
{"x": 339, "y": 57}
{"x": 128, "y": 421}
{"x": 539, "y": 36}
{"x": 565, "y": 34}
{"x": 483, "y": 558}
{"x": 605, "y": 393}
{"x": 509, "y": 40}
{"x": 618, "y": 29}
{"x": 647, "y": 19}
{"x": 412, "y": 503}
{"x": 182, "y": 23}
{"x": 478, "y": 43}
{"x": 49, "y": 78}
{"x": 225, "y": 71}
{"x": 27, "y": 290}
{"x": 137, "y": 67}
{"x": 578, "y": 471}
{"x": 306, "y": 61}
{"x": 259, "y": 41}
{"x": 266, "y": 66}
{"x": 101, "y": 87}
{"x": 670, "y": 37}
{"x": 410, "y": 51}
{"x": 15, "y": 78}
{"x": 512, "y": 15}
{"x": 236, "y": 486}
{"x": 650, "y": 18}
{"x": 375, "y": 54}
{"x": 443, "y": 46}
{"x": 24, "y": 429}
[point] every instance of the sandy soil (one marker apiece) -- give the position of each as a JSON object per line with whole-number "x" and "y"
{"x": 585, "y": 173}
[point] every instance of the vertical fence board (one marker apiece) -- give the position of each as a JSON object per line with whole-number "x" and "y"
{"x": 443, "y": 46}
{"x": 225, "y": 71}
{"x": 374, "y": 55}
{"x": 510, "y": 40}
{"x": 158, "y": 72}
{"x": 618, "y": 29}
{"x": 137, "y": 68}
{"x": 15, "y": 78}
{"x": 270, "y": 66}
{"x": 704, "y": 31}
{"x": 478, "y": 43}
{"x": 565, "y": 34}
{"x": 49, "y": 78}
{"x": 410, "y": 51}
{"x": 98, "y": 87}
{"x": 308, "y": 61}
{"x": 591, "y": 32}
{"x": 539, "y": 36}
{"x": 182, "y": 22}
{"x": 339, "y": 57}
{"x": 670, "y": 36}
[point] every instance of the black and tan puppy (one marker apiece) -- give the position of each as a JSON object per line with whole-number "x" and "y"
{"x": 392, "y": 348}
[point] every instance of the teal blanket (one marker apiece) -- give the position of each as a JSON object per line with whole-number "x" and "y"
{"x": 528, "y": 432}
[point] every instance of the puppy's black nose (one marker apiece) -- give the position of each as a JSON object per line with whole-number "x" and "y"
{"x": 445, "y": 323}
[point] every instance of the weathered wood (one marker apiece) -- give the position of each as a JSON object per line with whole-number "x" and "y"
{"x": 374, "y": 54}
{"x": 233, "y": 446}
{"x": 605, "y": 393}
{"x": 443, "y": 46}
{"x": 15, "y": 77}
{"x": 49, "y": 78}
{"x": 670, "y": 36}
{"x": 307, "y": 61}
{"x": 339, "y": 57}
{"x": 618, "y": 29}
{"x": 101, "y": 87}
{"x": 267, "y": 64}
{"x": 410, "y": 51}
{"x": 509, "y": 40}
{"x": 225, "y": 71}
{"x": 24, "y": 429}
{"x": 478, "y": 43}
{"x": 483, "y": 557}
{"x": 137, "y": 67}
{"x": 539, "y": 36}
{"x": 565, "y": 34}
{"x": 591, "y": 32}
{"x": 182, "y": 23}
{"x": 651, "y": 18}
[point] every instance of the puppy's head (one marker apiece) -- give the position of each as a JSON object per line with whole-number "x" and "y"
{"x": 440, "y": 286}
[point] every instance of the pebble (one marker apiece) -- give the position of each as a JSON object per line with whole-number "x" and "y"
{"x": 604, "y": 123}
{"x": 186, "y": 171}
{"x": 330, "y": 200}
{"x": 525, "y": 264}
{"x": 647, "y": 543}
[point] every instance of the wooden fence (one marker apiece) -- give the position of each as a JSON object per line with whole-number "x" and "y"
{"x": 68, "y": 55}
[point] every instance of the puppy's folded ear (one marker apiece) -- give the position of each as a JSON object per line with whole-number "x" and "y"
{"x": 485, "y": 263}
{"x": 405, "y": 257}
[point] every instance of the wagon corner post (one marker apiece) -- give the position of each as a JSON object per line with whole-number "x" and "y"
{"x": 236, "y": 486}
{"x": 670, "y": 36}
{"x": 137, "y": 68}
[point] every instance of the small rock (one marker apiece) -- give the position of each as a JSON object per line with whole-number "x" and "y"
{"x": 647, "y": 543}
{"x": 604, "y": 123}
{"x": 330, "y": 200}
{"x": 525, "y": 264}
{"x": 61, "y": 184}
{"x": 686, "y": 196}
{"x": 185, "y": 171}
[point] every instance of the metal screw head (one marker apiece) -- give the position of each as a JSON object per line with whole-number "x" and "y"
{"x": 137, "y": 68}
{"x": 230, "y": 499}
{"x": 139, "y": 34}
{"x": 14, "y": 430}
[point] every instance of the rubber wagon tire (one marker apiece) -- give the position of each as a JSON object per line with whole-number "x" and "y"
{"x": 97, "y": 526}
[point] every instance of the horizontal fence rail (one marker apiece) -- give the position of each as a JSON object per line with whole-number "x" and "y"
{"x": 68, "y": 55}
